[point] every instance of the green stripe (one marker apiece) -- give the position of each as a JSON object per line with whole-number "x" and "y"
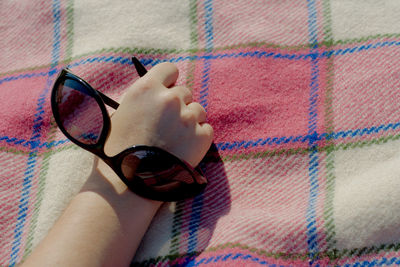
{"x": 176, "y": 226}
{"x": 67, "y": 147}
{"x": 303, "y": 151}
{"x": 330, "y": 163}
{"x": 52, "y": 131}
{"x": 327, "y": 17}
{"x": 328, "y": 207}
{"x": 254, "y": 155}
{"x": 330, "y": 232}
{"x": 40, "y": 192}
{"x": 190, "y": 75}
{"x": 193, "y": 42}
{"x": 39, "y": 197}
{"x": 42, "y": 182}
{"x": 155, "y": 51}
{"x": 14, "y": 151}
{"x": 70, "y": 29}
{"x": 365, "y": 39}
{"x": 21, "y": 152}
{"x": 331, "y": 255}
{"x": 177, "y": 220}
{"x": 192, "y": 50}
{"x": 193, "y": 24}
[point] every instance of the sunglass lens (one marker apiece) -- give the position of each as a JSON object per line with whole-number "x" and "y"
{"x": 79, "y": 112}
{"x": 157, "y": 171}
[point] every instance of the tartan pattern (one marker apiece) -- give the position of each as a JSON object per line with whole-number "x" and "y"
{"x": 294, "y": 90}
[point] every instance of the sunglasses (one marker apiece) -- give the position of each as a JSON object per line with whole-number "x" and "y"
{"x": 151, "y": 172}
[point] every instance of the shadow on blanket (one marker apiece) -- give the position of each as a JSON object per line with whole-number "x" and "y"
{"x": 216, "y": 200}
{"x": 192, "y": 221}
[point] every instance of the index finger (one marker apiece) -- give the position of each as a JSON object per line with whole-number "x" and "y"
{"x": 167, "y": 73}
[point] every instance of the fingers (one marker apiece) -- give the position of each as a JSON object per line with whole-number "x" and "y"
{"x": 183, "y": 92}
{"x": 206, "y": 132}
{"x": 198, "y": 111}
{"x": 167, "y": 73}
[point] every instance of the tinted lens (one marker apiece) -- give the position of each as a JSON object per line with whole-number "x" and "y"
{"x": 79, "y": 113}
{"x": 158, "y": 171}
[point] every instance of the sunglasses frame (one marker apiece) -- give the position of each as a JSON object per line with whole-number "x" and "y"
{"x": 115, "y": 162}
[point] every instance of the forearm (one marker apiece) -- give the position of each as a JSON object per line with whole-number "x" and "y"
{"x": 101, "y": 227}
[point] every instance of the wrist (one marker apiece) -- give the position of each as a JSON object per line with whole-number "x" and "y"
{"x": 104, "y": 224}
{"x": 104, "y": 182}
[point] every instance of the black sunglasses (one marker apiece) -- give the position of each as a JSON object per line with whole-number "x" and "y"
{"x": 151, "y": 172}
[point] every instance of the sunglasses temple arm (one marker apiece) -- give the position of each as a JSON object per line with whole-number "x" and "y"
{"x": 108, "y": 101}
{"x": 141, "y": 70}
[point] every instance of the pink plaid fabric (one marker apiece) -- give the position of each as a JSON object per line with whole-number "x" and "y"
{"x": 303, "y": 97}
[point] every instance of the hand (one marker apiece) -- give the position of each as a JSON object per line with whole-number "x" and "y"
{"x": 154, "y": 112}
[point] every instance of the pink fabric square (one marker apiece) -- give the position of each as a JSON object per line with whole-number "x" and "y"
{"x": 251, "y": 98}
{"x": 19, "y": 107}
{"x": 279, "y": 22}
{"x": 29, "y": 32}
{"x": 364, "y": 93}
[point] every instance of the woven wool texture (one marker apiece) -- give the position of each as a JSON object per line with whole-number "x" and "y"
{"x": 303, "y": 95}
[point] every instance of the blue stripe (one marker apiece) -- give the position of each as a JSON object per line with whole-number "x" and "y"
{"x": 312, "y": 234}
{"x": 194, "y": 223}
{"x": 257, "y": 54}
{"x": 23, "y": 76}
{"x": 204, "y": 84}
{"x": 26, "y": 186}
{"x": 197, "y": 205}
{"x": 236, "y": 145}
{"x": 250, "y": 258}
{"x": 230, "y": 257}
{"x": 191, "y": 261}
{"x": 55, "y": 53}
{"x": 35, "y": 139}
{"x": 310, "y": 138}
{"x": 208, "y": 8}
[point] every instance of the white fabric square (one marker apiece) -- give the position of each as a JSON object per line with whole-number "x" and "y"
{"x": 133, "y": 24}
{"x": 363, "y": 18}
{"x": 366, "y": 203}
{"x": 157, "y": 240}
{"x": 65, "y": 176}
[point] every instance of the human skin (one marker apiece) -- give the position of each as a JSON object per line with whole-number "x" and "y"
{"x": 105, "y": 222}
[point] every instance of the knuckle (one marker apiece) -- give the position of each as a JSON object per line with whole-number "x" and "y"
{"x": 141, "y": 86}
{"x": 169, "y": 98}
{"x": 208, "y": 130}
{"x": 146, "y": 83}
{"x": 186, "y": 90}
{"x": 189, "y": 116}
{"x": 186, "y": 93}
{"x": 199, "y": 109}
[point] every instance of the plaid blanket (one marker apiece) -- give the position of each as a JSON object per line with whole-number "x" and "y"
{"x": 303, "y": 96}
